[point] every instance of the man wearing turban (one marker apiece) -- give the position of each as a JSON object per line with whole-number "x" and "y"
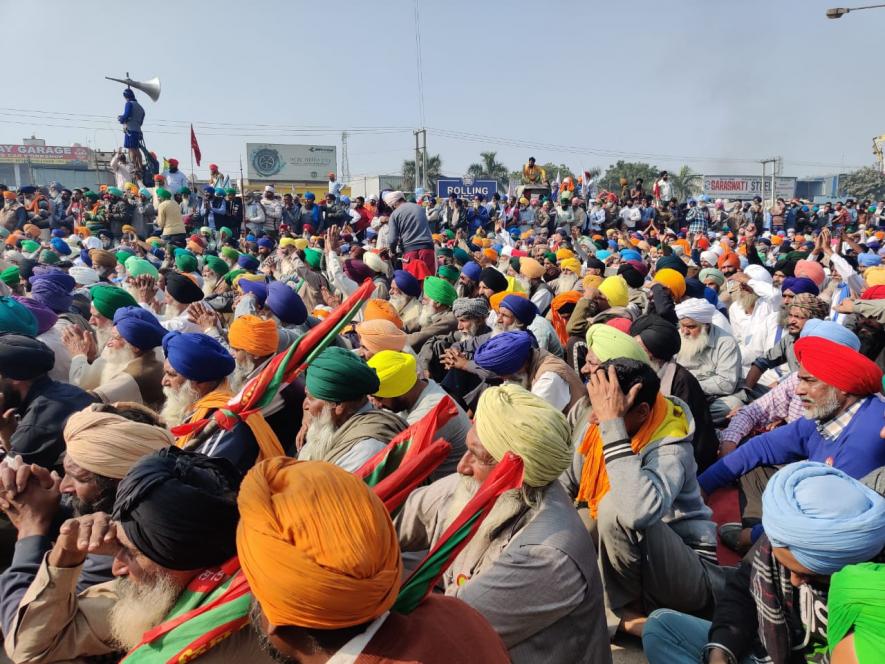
{"x": 340, "y": 584}
{"x": 378, "y": 335}
{"x": 532, "y": 534}
{"x": 405, "y": 296}
{"x": 754, "y": 312}
{"x": 195, "y": 384}
{"x": 635, "y": 470}
{"x": 173, "y": 531}
{"x": 785, "y": 598}
{"x": 531, "y": 277}
{"x": 468, "y": 281}
{"x": 436, "y": 318}
{"x": 340, "y": 425}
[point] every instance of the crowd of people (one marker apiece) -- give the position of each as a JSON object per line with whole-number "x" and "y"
{"x": 613, "y": 368}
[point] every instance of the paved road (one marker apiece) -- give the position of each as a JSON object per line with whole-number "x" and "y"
{"x": 626, "y": 650}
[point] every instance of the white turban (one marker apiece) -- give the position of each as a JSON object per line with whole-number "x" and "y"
{"x": 84, "y": 276}
{"x": 375, "y": 262}
{"x": 709, "y": 257}
{"x": 93, "y": 242}
{"x": 392, "y": 197}
{"x": 696, "y": 308}
{"x": 758, "y": 273}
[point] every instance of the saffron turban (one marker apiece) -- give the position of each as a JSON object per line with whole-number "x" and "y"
{"x": 109, "y": 445}
{"x": 609, "y": 343}
{"x": 257, "y": 336}
{"x": 382, "y": 310}
{"x": 493, "y": 279}
{"x": 658, "y": 335}
{"x": 811, "y": 270}
{"x": 696, "y": 308}
{"x": 673, "y": 280}
{"x": 107, "y": 299}
{"x": 521, "y": 307}
{"x": 471, "y": 270}
{"x": 729, "y": 259}
{"x": 16, "y": 318}
{"x": 197, "y": 357}
{"x": 407, "y": 283}
{"x": 826, "y": 518}
{"x": 317, "y": 545}
{"x": 471, "y": 307}
{"x": 338, "y": 375}
{"x": 380, "y": 334}
{"x": 490, "y": 253}
{"x": 397, "y": 373}
{"x": 139, "y": 327}
{"x": 592, "y": 281}
{"x": 440, "y": 291}
{"x": 285, "y": 304}
{"x": 180, "y": 509}
{"x": 874, "y": 276}
{"x": 44, "y": 316}
{"x": 837, "y": 365}
{"x": 854, "y": 604}
{"x": 615, "y": 290}
{"x": 829, "y": 329}
{"x": 509, "y": 418}
{"x": 182, "y": 288}
{"x": 506, "y": 353}
{"x": 797, "y": 285}
{"x": 529, "y": 267}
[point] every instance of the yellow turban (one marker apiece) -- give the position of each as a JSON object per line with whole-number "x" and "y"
{"x": 673, "y": 280}
{"x": 288, "y": 242}
{"x": 531, "y": 268}
{"x": 397, "y": 372}
{"x": 380, "y": 334}
{"x": 562, "y": 254}
{"x": 509, "y": 418}
{"x": 248, "y": 277}
{"x": 317, "y": 546}
{"x": 513, "y": 285}
{"x": 609, "y": 343}
{"x": 109, "y": 445}
{"x": 571, "y": 264}
{"x": 592, "y": 281}
{"x": 874, "y": 276}
{"x": 257, "y": 336}
{"x": 615, "y": 290}
{"x": 300, "y": 243}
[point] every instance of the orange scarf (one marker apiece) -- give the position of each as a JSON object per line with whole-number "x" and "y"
{"x": 665, "y": 419}
{"x": 268, "y": 443}
{"x": 559, "y": 323}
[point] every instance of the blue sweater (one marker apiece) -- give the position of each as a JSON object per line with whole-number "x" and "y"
{"x": 857, "y": 451}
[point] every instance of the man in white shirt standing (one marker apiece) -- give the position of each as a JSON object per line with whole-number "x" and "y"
{"x": 334, "y": 186}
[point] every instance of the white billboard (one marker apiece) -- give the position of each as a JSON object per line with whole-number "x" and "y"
{"x": 290, "y": 163}
{"x": 747, "y": 186}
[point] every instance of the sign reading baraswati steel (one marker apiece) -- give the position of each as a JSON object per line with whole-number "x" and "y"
{"x": 741, "y": 187}
{"x": 290, "y": 163}
{"x": 43, "y": 154}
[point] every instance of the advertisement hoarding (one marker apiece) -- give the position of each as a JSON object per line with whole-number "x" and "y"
{"x": 43, "y": 154}
{"x": 742, "y": 187}
{"x": 290, "y": 163}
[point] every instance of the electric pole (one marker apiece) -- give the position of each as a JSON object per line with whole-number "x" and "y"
{"x": 345, "y": 161}
{"x": 421, "y": 158}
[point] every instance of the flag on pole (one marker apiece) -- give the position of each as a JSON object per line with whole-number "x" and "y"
{"x": 195, "y": 147}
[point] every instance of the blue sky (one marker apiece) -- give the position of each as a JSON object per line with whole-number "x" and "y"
{"x": 702, "y": 82}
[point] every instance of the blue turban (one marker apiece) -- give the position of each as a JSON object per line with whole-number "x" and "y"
{"x": 602, "y": 254}
{"x": 798, "y": 285}
{"x": 285, "y": 303}
{"x": 139, "y": 327}
{"x": 471, "y": 270}
{"x": 694, "y": 288}
{"x": 630, "y": 255}
{"x": 710, "y": 295}
{"x": 60, "y": 246}
{"x": 310, "y": 196}
{"x": 867, "y": 259}
{"x": 52, "y": 292}
{"x": 523, "y": 308}
{"x": 265, "y": 242}
{"x": 831, "y": 330}
{"x": 16, "y": 318}
{"x": 506, "y": 353}
{"x": 257, "y": 288}
{"x": 407, "y": 283}
{"x": 62, "y": 279}
{"x": 248, "y": 262}
{"x": 84, "y": 256}
{"x": 209, "y": 189}
{"x": 197, "y": 357}
{"x": 826, "y": 518}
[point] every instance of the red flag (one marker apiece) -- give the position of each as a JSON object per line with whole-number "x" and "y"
{"x": 195, "y": 146}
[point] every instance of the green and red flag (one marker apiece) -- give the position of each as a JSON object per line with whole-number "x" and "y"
{"x": 506, "y": 475}
{"x": 284, "y": 367}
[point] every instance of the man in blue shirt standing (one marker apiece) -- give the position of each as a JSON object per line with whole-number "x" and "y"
{"x": 132, "y": 119}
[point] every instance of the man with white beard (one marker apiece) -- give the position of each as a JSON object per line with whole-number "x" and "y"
{"x": 181, "y": 292}
{"x": 711, "y": 354}
{"x": 436, "y": 316}
{"x": 754, "y": 312}
{"x": 170, "y": 491}
{"x": 405, "y": 296}
{"x": 214, "y": 269}
{"x": 517, "y": 312}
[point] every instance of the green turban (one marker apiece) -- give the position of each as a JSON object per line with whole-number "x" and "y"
{"x": 609, "y": 343}
{"x": 712, "y": 273}
{"x": 107, "y": 299}
{"x": 115, "y": 191}
{"x": 440, "y": 290}
{"x": 313, "y": 258}
{"x": 445, "y": 251}
{"x": 450, "y": 273}
{"x": 11, "y": 276}
{"x": 550, "y": 256}
{"x": 855, "y": 604}
{"x": 230, "y": 190}
{"x": 461, "y": 257}
{"x": 185, "y": 262}
{"x": 145, "y": 192}
{"x": 29, "y": 246}
{"x": 91, "y": 195}
{"x": 163, "y": 194}
{"x": 230, "y": 253}
{"x": 16, "y": 317}
{"x": 123, "y": 256}
{"x": 137, "y": 267}
{"x": 449, "y": 233}
{"x": 233, "y": 274}
{"x": 184, "y": 191}
{"x": 49, "y": 257}
{"x": 338, "y": 375}
{"x": 225, "y": 232}
{"x": 217, "y": 265}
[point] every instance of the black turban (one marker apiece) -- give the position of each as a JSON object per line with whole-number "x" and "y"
{"x": 659, "y": 336}
{"x": 672, "y": 262}
{"x": 694, "y": 288}
{"x": 594, "y": 263}
{"x": 493, "y": 279}
{"x": 180, "y": 509}
{"x": 183, "y": 289}
{"x": 24, "y": 358}
{"x": 631, "y": 275}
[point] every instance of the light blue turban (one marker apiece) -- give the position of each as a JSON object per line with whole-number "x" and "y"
{"x": 831, "y": 330}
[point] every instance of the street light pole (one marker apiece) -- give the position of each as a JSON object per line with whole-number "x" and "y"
{"x": 839, "y": 12}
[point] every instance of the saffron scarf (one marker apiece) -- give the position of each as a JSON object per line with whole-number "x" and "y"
{"x": 665, "y": 420}
{"x": 559, "y": 323}
{"x": 268, "y": 443}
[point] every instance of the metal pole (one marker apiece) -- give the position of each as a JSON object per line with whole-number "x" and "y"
{"x": 424, "y": 180}
{"x": 417, "y": 160}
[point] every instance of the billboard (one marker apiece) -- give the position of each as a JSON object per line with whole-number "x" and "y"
{"x": 290, "y": 163}
{"x": 448, "y": 186}
{"x": 747, "y": 186}
{"x": 43, "y": 154}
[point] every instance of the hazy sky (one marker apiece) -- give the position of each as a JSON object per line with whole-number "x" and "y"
{"x": 702, "y": 82}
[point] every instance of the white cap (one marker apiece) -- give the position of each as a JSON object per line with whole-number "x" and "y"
{"x": 268, "y": 187}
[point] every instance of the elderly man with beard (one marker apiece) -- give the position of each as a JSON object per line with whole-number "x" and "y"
{"x": 195, "y": 386}
{"x": 516, "y": 312}
{"x": 321, "y": 597}
{"x": 181, "y": 291}
{"x": 436, "y": 312}
{"x": 514, "y": 357}
{"x": 214, "y": 269}
{"x": 103, "y": 442}
{"x": 340, "y": 426}
{"x": 531, "y": 569}
{"x": 531, "y": 276}
{"x": 405, "y": 296}
{"x": 710, "y": 354}
{"x": 754, "y": 313}
{"x": 184, "y": 494}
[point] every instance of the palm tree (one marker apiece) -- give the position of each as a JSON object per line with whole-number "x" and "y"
{"x": 686, "y": 183}
{"x": 490, "y": 169}
{"x": 434, "y": 168}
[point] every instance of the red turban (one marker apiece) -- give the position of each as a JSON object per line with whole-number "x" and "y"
{"x": 622, "y": 324}
{"x": 173, "y": 162}
{"x": 874, "y": 293}
{"x": 837, "y": 365}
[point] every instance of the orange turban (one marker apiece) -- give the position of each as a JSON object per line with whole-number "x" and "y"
{"x": 686, "y": 247}
{"x": 559, "y": 323}
{"x": 317, "y": 546}
{"x": 31, "y": 231}
{"x": 382, "y": 310}
{"x": 491, "y": 254}
{"x": 592, "y": 281}
{"x": 529, "y": 267}
{"x": 730, "y": 259}
{"x": 380, "y": 334}
{"x": 673, "y": 280}
{"x": 9, "y": 195}
{"x": 256, "y": 336}
{"x": 495, "y": 300}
